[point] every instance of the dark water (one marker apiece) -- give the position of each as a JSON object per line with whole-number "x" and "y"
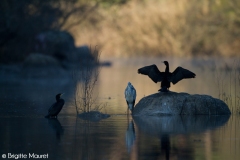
{"x": 24, "y": 102}
{"x": 171, "y": 137}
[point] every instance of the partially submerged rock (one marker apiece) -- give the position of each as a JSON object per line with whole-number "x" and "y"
{"x": 172, "y": 103}
{"x": 93, "y": 116}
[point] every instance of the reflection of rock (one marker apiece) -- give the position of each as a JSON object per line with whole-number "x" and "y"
{"x": 180, "y": 103}
{"x": 165, "y": 145}
{"x": 94, "y": 116}
{"x": 178, "y": 124}
{"x": 56, "y": 125}
{"x": 130, "y": 136}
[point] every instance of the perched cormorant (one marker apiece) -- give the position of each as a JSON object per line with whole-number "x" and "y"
{"x": 166, "y": 77}
{"x": 130, "y": 96}
{"x": 56, "y": 107}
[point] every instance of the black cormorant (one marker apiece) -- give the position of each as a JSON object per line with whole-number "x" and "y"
{"x": 166, "y": 77}
{"x": 56, "y": 107}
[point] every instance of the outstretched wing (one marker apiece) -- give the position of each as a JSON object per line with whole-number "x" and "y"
{"x": 152, "y": 72}
{"x": 180, "y": 73}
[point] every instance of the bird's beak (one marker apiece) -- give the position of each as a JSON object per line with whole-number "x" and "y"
{"x": 62, "y": 94}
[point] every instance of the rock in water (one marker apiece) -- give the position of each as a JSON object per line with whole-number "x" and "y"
{"x": 93, "y": 116}
{"x": 172, "y": 103}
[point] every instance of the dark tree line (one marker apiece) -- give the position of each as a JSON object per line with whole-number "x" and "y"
{"x": 21, "y": 21}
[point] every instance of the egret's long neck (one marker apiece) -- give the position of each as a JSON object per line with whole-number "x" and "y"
{"x": 167, "y": 68}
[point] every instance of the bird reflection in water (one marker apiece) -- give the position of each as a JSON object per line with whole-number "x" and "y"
{"x": 130, "y": 136}
{"x": 57, "y": 127}
{"x": 165, "y": 145}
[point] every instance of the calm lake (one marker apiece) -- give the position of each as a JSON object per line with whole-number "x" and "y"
{"x": 24, "y": 102}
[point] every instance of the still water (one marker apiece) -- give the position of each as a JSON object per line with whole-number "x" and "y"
{"x": 24, "y": 102}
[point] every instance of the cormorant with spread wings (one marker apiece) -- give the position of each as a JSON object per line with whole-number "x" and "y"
{"x": 166, "y": 77}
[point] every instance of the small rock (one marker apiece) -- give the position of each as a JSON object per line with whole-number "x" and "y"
{"x": 94, "y": 116}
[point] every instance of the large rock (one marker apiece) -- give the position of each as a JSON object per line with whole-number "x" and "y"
{"x": 172, "y": 103}
{"x": 59, "y": 44}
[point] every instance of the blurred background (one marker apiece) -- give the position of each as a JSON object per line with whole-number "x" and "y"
{"x": 120, "y": 28}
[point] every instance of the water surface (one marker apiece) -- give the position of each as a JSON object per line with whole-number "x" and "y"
{"x": 24, "y": 102}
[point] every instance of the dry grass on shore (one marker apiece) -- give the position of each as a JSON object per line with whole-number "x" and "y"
{"x": 228, "y": 84}
{"x": 159, "y": 27}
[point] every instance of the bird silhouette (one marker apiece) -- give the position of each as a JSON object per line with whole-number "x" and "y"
{"x": 56, "y": 107}
{"x": 166, "y": 77}
{"x": 130, "y": 96}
